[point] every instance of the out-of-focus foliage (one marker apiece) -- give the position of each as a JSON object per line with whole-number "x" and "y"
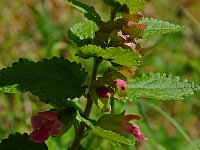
{"x": 37, "y": 29}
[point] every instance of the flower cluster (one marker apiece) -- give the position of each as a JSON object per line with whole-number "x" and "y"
{"x": 125, "y": 32}
{"x": 45, "y": 124}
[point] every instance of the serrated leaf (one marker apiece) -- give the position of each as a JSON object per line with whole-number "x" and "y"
{"x": 10, "y": 89}
{"x": 83, "y": 33}
{"x": 112, "y": 136}
{"x": 51, "y": 80}
{"x": 89, "y": 11}
{"x": 118, "y": 55}
{"x": 159, "y": 86}
{"x": 21, "y": 142}
{"x": 81, "y": 119}
{"x": 155, "y": 26}
{"x": 107, "y": 134}
{"x": 133, "y": 5}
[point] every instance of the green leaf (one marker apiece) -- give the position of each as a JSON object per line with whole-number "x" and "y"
{"x": 133, "y": 5}
{"x": 10, "y": 89}
{"x": 83, "y": 33}
{"x": 118, "y": 55}
{"x": 21, "y": 142}
{"x": 112, "y": 136}
{"x": 155, "y": 26}
{"x": 89, "y": 11}
{"x": 81, "y": 119}
{"x": 159, "y": 86}
{"x": 68, "y": 116}
{"x": 116, "y": 6}
{"x": 111, "y": 122}
{"x": 102, "y": 103}
{"x": 109, "y": 3}
{"x": 51, "y": 80}
{"x": 107, "y": 134}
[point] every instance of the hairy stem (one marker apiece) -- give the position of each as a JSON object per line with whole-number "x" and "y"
{"x": 81, "y": 128}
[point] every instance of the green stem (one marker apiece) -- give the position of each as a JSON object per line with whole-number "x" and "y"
{"x": 81, "y": 128}
{"x": 112, "y": 106}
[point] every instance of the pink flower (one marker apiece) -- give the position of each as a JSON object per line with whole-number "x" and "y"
{"x": 45, "y": 124}
{"x": 121, "y": 83}
{"x": 130, "y": 128}
{"x": 103, "y": 92}
{"x": 131, "y": 45}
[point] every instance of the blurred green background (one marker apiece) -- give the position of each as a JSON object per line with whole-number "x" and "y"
{"x": 37, "y": 29}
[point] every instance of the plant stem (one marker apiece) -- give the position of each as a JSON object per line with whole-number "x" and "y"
{"x": 112, "y": 106}
{"x": 81, "y": 128}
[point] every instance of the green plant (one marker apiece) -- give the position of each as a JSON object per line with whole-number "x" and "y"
{"x": 59, "y": 82}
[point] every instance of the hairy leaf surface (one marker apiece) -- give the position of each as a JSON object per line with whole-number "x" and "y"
{"x": 51, "y": 80}
{"x": 89, "y": 11}
{"x": 155, "y": 26}
{"x": 159, "y": 86}
{"x": 112, "y": 136}
{"x": 107, "y": 134}
{"x": 21, "y": 142}
{"x": 118, "y": 55}
{"x": 115, "y": 119}
{"x": 83, "y": 33}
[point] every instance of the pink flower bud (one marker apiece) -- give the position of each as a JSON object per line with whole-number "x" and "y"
{"x": 131, "y": 128}
{"x": 103, "y": 92}
{"x": 121, "y": 83}
{"x": 45, "y": 124}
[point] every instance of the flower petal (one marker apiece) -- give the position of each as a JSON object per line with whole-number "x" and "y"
{"x": 136, "y": 132}
{"x": 39, "y": 135}
{"x": 37, "y": 121}
{"x": 103, "y": 92}
{"x": 131, "y": 45}
{"x": 127, "y": 127}
{"x": 55, "y": 128}
{"x": 128, "y": 118}
{"x": 121, "y": 83}
{"x": 124, "y": 37}
{"x": 50, "y": 115}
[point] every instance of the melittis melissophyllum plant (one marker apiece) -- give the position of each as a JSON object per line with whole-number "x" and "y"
{"x": 59, "y": 82}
